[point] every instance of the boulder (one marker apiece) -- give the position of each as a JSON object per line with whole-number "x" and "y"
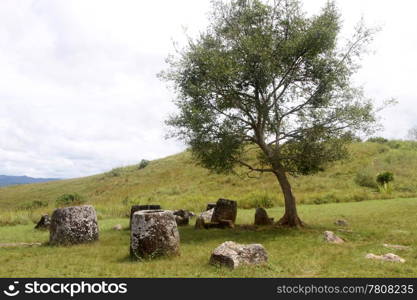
{"x": 330, "y": 237}
{"x": 207, "y": 215}
{"x": 43, "y": 223}
{"x": 182, "y": 217}
{"x": 225, "y": 210}
{"x": 200, "y": 223}
{"x": 233, "y": 255}
{"x": 136, "y": 208}
{"x": 341, "y": 222}
{"x": 396, "y": 247}
{"x": 261, "y": 217}
{"x": 73, "y": 225}
{"x": 386, "y": 257}
{"x": 117, "y": 227}
{"x": 154, "y": 233}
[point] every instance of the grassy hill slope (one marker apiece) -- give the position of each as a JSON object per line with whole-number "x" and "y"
{"x": 176, "y": 182}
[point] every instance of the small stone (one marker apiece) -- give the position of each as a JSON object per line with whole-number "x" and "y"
{"x": 118, "y": 227}
{"x": 181, "y": 221}
{"x": 330, "y": 237}
{"x": 43, "y": 223}
{"x": 207, "y": 215}
{"x": 397, "y": 247}
{"x": 261, "y": 217}
{"x": 11, "y": 245}
{"x": 154, "y": 233}
{"x": 341, "y": 222}
{"x": 73, "y": 225}
{"x": 386, "y": 257}
{"x": 199, "y": 223}
{"x": 182, "y": 217}
{"x": 233, "y": 255}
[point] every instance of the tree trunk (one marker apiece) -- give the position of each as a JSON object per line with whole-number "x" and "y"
{"x": 290, "y": 217}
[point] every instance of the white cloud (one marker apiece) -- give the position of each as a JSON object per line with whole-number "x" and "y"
{"x": 78, "y": 91}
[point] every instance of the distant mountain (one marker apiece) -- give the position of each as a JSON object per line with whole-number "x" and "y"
{"x": 13, "y": 180}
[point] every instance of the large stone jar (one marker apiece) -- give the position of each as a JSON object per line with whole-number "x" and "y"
{"x": 73, "y": 225}
{"x": 154, "y": 233}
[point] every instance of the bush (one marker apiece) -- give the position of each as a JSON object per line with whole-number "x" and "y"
{"x": 34, "y": 204}
{"x": 385, "y": 178}
{"x": 255, "y": 200}
{"x": 116, "y": 172}
{"x": 143, "y": 164}
{"x": 378, "y": 140}
{"x": 69, "y": 199}
{"x": 394, "y": 144}
{"x": 365, "y": 179}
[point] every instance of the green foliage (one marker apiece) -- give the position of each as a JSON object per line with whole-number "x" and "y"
{"x": 266, "y": 76}
{"x": 35, "y": 204}
{"x": 385, "y": 177}
{"x": 379, "y": 140}
{"x": 116, "y": 172}
{"x": 258, "y": 199}
{"x": 69, "y": 199}
{"x": 365, "y": 178}
{"x": 143, "y": 164}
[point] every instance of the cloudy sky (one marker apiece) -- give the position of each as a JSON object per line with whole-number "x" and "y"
{"x": 78, "y": 87}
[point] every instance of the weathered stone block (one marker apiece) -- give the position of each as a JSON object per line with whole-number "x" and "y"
{"x": 154, "y": 233}
{"x": 233, "y": 255}
{"x": 225, "y": 210}
{"x": 73, "y": 225}
{"x": 261, "y": 217}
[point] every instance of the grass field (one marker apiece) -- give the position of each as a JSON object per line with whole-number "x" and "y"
{"x": 292, "y": 253}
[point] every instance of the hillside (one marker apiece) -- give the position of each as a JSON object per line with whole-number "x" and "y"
{"x": 13, "y": 180}
{"x": 176, "y": 182}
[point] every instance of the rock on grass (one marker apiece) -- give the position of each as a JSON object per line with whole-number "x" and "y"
{"x": 330, "y": 237}
{"x": 386, "y": 257}
{"x": 233, "y": 255}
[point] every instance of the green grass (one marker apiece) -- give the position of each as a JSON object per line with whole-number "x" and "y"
{"x": 176, "y": 182}
{"x": 292, "y": 253}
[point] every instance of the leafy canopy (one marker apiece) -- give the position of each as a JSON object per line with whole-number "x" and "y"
{"x": 264, "y": 77}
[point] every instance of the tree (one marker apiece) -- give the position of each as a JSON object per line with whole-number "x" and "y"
{"x": 265, "y": 78}
{"x": 412, "y": 133}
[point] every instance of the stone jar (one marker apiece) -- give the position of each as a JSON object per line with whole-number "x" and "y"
{"x": 154, "y": 233}
{"x": 73, "y": 225}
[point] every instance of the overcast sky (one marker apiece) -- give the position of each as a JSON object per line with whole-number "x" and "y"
{"x": 78, "y": 87}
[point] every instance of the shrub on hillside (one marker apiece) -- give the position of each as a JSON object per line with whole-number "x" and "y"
{"x": 384, "y": 179}
{"x": 394, "y": 144}
{"x": 366, "y": 179}
{"x": 34, "y": 204}
{"x": 69, "y": 199}
{"x": 379, "y": 140}
{"x": 256, "y": 199}
{"x": 143, "y": 164}
{"x": 114, "y": 172}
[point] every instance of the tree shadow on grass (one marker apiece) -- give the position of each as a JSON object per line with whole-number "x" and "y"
{"x": 244, "y": 233}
